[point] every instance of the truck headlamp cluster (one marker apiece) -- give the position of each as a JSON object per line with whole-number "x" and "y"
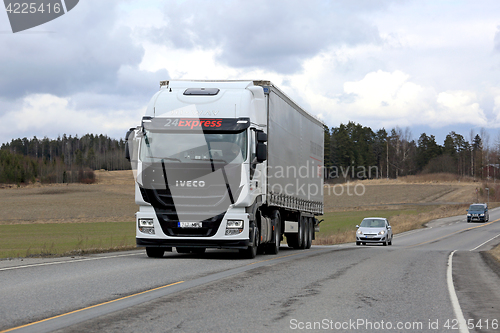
{"x": 234, "y": 227}
{"x": 146, "y": 226}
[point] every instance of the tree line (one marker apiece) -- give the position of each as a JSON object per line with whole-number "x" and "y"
{"x": 356, "y": 151}
{"x": 66, "y": 159}
{"x": 351, "y": 151}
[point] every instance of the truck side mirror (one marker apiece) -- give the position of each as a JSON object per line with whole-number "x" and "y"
{"x": 261, "y": 152}
{"x": 127, "y": 150}
{"x": 261, "y": 137}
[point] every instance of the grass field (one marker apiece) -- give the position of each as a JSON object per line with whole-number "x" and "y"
{"x": 54, "y": 239}
{"x": 77, "y": 218}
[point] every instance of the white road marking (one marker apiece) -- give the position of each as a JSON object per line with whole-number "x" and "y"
{"x": 462, "y": 324}
{"x": 67, "y": 261}
{"x": 477, "y": 247}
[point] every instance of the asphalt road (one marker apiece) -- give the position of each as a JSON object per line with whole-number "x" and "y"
{"x": 406, "y": 287}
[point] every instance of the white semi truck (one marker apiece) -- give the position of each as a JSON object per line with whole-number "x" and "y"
{"x": 226, "y": 164}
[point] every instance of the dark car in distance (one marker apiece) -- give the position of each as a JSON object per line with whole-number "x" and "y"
{"x": 478, "y": 212}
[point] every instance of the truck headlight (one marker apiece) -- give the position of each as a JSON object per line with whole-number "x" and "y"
{"x": 234, "y": 227}
{"x": 146, "y": 226}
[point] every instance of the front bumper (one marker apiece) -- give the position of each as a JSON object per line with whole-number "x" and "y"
{"x": 374, "y": 239}
{"x": 202, "y": 243}
{"x": 218, "y": 238}
{"x": 476, "y": 218}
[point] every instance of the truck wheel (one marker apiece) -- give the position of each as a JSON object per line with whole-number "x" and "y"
{"x": 304, "y": 231}
{"x": 155, "y": 252}
{"x": 274, "y": 247}
{"x": 309, "y": 231}
{"x": 251, "y": 251}
{"x": 300, "y": 234}
{"x": 296, "y": 240}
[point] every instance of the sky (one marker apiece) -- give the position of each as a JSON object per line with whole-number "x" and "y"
{"x": 427, "y": 65}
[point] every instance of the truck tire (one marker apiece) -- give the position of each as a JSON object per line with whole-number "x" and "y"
{"x": 304, "y": 230}
{"x": 274, "y": 247}
{"x": 301, "y": 234}
{"x": 155, "y": 252}
{"x": 296, "y": 240}
{"x": 251, "y": 251}
{"x": 309, "y": 231}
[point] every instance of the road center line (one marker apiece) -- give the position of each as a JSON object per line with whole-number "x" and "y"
{"x": 462, "y": 324}
{"x": 89, "y": 307}
{"x": 453, "y": 233}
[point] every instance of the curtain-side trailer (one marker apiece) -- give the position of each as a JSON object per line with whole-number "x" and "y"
{"x": 226, "y": 164}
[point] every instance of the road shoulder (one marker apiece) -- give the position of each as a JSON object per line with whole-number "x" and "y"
{"x": 476, "y": 277}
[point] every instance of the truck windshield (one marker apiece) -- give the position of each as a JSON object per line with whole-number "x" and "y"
{"x": 193, "y": 147}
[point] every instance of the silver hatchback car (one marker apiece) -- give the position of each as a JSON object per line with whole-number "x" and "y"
{"x": 374, "y": 230}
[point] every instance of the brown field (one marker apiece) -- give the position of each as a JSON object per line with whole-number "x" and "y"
{"x": 111, "y": 199}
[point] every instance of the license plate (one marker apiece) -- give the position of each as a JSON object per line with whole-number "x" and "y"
{"x": 190, "y": 224}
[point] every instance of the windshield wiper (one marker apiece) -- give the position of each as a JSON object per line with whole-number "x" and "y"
{"x": 170, "y": 159}
{"x": 211, "y": 159}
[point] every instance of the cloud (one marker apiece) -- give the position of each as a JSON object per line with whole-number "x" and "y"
{"x": 497, "y": 39}
{"x": 460, "y": 107}
{"x": 271, "y": 35}
{"x": 382, "y": 63}
{"x": 84, "y": 51}
{"x": 383, "y": 99}
{"x": 48, "y": 115}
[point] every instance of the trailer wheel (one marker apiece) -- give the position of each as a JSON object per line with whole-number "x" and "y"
{"x": 155, "y": 252}
{"x": 296, "y": 240}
